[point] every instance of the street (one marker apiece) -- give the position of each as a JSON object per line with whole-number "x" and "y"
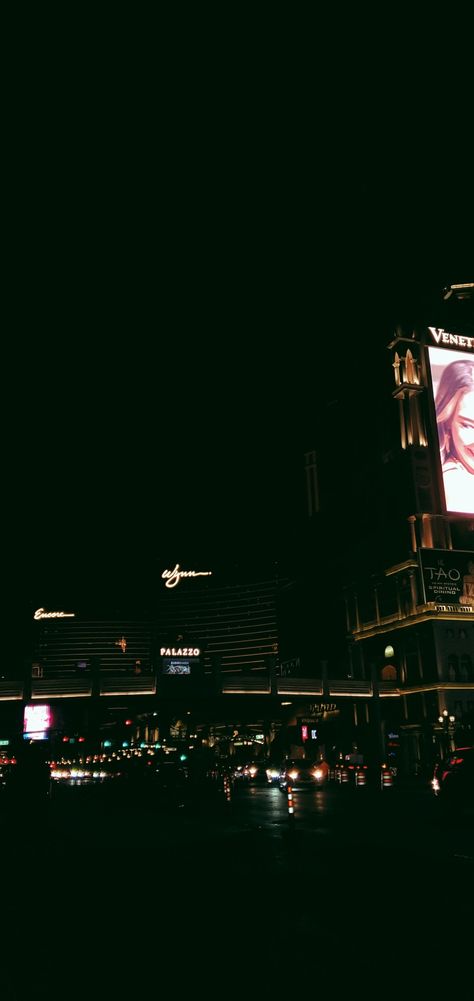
{"x": 101, "y": 883}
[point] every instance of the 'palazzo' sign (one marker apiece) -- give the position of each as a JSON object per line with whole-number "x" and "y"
{"x": 41, "y": 613}
{"x": 173, "y": 577}
{"x": 185, "y": 651}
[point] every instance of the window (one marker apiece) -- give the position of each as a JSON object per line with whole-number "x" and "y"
{"x": 453, "y": 667}
{"x": 465, "y": 668}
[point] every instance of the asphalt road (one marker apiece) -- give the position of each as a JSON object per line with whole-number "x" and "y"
{"x": 107, "y": 891}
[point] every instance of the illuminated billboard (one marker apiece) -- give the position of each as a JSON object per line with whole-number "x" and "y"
{"x": 448, "y": 578}
{"x": 37, "y": 722}
{"x": 176, "y": 666}
{"x": 452, "y": 375}
{"x": 179, "y": 660}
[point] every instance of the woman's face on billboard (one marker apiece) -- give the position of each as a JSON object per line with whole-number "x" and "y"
{"x": 462, "y": 430}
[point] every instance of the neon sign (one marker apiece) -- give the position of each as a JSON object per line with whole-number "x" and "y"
{"x": 41, "y": 613}
{"x": 166, "y": 651}
{"x": 173, "y": 577}
{"x": 442, "y": 337}
{"x": 37, "y": 720}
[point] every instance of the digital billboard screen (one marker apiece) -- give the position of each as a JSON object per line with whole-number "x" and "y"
{"x": 452, "y": 375}
{"x": 171, "y": 666}
{"x": 37, "y": 722}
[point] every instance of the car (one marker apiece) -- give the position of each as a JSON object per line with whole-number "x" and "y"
{"x": 240, "y": 774}
{"x": 255, "y": 773}
{"x": 300, "y": 774}
{"x": 272, "y": 774}
{"x": 453, "y": 780}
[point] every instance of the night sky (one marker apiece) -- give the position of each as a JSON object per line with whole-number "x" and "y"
{"x": 172, "y": 358}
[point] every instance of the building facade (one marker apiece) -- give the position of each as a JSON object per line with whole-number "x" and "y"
{"x": 410, "y": 625}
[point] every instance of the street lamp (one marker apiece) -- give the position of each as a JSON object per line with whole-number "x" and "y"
{"x": 448, "y": 723}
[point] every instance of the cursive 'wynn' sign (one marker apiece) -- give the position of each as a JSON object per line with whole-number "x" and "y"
{"x": 173, "y": 577}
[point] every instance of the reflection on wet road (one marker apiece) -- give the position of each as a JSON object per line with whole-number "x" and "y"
{"x": 123, "y": 882}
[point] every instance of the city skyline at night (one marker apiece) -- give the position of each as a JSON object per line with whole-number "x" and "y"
{"x": 122, "y": 486}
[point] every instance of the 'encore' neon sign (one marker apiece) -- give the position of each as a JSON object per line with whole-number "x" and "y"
{"x": 173, "y": 577}
{"x": 41, "y": 613}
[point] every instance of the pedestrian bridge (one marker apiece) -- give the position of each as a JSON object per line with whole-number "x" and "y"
{"x": 110, "y": 685}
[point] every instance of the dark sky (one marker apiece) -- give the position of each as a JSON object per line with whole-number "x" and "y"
{"x": 201, "y": 255}
{"x": 176, "y": 341}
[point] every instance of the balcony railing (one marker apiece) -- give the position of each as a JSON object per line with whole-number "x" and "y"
{"x": 428, "y": 610}
{"x": 351, "y": 687}
{"x": 60, "y": 688}
{"x": 245, "y": 686}
{"x": 11, "y": 691}
{"x": 64, "y": 688}
{"x": 299, "y": 686}
{"x": 123, "y": 685}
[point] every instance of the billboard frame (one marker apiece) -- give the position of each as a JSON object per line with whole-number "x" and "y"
{"x": 462, "y": 347}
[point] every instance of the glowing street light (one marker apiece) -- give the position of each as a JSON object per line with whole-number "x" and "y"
{"x": 448, "y": 722}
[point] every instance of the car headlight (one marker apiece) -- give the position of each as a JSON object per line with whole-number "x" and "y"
{"x": 272, "y": 773}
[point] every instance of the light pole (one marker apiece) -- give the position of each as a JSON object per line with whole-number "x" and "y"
{"x": 448, "y": 723}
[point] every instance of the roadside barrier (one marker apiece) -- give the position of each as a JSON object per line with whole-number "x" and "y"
{"x": 227, "y": 785}
{"x": 360, "y": 776}
{"x": 386, "y": 777}
{"x": 289, "y": 796}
